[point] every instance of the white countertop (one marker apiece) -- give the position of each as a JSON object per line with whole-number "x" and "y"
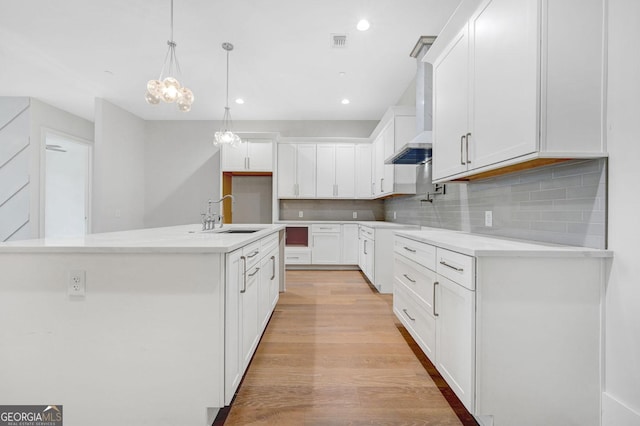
{"x": 370, "y": 223}
{"x": 173, "y": 239}
{"x": 482, "y": 245}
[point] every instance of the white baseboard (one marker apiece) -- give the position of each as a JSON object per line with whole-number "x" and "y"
{"x": 615, "y": 413}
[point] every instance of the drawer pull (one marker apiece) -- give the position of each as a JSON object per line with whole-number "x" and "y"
{"x": 443, "y": 263}
{"x": 407, "y": 277}
{"x": 408, "y": 249}
{"x": 407, "y": 314}
{"x": 434, "y": 299}
{"x": 254, "y": 254}
{"x": 244, "y": 274}
{"x": 293, "y": 257}
{"x": 254, "y": 272}
{"x": 273, "y": 274}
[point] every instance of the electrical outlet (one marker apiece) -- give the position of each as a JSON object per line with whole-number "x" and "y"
{"x": 488, "y": 218}
{"x": 76, "y": 285}
{"x": 355, "y": 215}
{"x": 300, "y": 213}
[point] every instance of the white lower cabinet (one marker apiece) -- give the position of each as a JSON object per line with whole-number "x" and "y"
{"x": 326, "y": 244}
{"x": 253, "y": 283}
{"x": 350, "y": 244}
{"x": 366, "y": 252}
{"x": 515, "y": 330}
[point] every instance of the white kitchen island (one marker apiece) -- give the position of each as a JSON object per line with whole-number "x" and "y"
{"x": 161, "y": 335}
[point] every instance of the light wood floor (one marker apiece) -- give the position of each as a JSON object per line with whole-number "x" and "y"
{"x": 333, "y": 354}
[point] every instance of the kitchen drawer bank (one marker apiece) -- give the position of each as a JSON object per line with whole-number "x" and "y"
{"x": 513, "y": 327}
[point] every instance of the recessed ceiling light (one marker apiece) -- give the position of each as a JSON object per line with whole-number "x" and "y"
{"x": 363, "y": 25}
{"x": 345, "y": 101}
{"x": 342, "y": 73}
{"x": 240, "y": 101}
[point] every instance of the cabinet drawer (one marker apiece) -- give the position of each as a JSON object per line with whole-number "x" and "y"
{"x": 420, "y": 324}
{"x": 269, "y": 243}
{"x": 297, "y": 256}
{"x": 416, "y": 278}
{"x": 422, "y": 253}
{"x": 366, "y": 232}
{"x": 318, "y": 228}
{"x": 459, "y": 268}
{"x": 251, "y": 253}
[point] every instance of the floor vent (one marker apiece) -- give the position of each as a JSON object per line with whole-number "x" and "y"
{"x": 338, "y": 41}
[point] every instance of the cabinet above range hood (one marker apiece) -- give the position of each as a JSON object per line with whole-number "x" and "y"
{"x": 418, "y": 149}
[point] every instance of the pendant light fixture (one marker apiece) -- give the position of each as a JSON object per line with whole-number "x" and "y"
{"x": 169, "y": 89}
{"x": 225, "y": 136}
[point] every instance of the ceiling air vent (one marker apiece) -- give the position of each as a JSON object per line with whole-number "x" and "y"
{"x": 338, "y": 41}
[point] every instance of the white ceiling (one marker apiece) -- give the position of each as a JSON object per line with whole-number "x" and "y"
{"x": 67, "y": 52}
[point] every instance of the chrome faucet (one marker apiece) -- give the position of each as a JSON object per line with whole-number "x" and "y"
{"x": 210, "y": 219}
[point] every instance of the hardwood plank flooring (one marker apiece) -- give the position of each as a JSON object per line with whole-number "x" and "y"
{"x": 334, "y": 354}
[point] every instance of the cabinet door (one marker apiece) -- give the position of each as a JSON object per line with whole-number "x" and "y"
{"x": 325, "y": 249}
{"x": 306, "y": 170}
{"x": 362, "y": 257}
{"x": 234, "y": 158}
{"x": 345, "y": 171}
{"x": 249, "y": 314}
{"x": 287, "y": 154}
{"x": 378, "y": 164}
{"x": 450, "y": 108}
{"x": 369, "y": 262}
{"x": 264, "y": 296}
{"x": 455, "y": 338}
{"x": 363, "y": 171}
{"x": 325, "y": 170}
{"x": 260, "y": 155}
{"x": 232, "y": 365}
{"x": 349, "y": 244}
{"x": 504, "y": 91}
{"x": 274, "y": 278}
{"x": 388, "y": 180}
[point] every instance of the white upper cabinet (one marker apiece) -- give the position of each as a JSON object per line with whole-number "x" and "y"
{"x": 397, "y": 127}
{"x": 296, "y": 170}
{"x": 519, "y": 82}
{"x": 251, "y": 155}
{"x": 364, "y": 186}
{"x": 335, "y": 177}
{"x": 326, "y": 170}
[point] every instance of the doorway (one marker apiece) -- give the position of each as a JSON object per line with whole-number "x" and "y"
{"x": 66, "y": 186}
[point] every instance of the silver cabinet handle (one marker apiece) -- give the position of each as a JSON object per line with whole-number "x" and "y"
{"x": 381, "y": 184}
{"x": 433, "y": 305}
{"x": 373, "y": 188}
{"x": 365, "y": 246}
{"x": 462, "y": 150}
{"x": 293, "y": 257}
{"x": 407, "y": 314}
{"x": 323, "y": 227}
{"x": 408, "y": 249}
{"x": 244, "y": 274}
{"x": 254, "y": 272}
{"x": 254, "y": 254}
{"x": 409, "y": 278}
{"x": 443, "y": 263}
{"x": 467, "y": 143}
{"x": 273, "y": 274}
{"x": 248, "y": 162}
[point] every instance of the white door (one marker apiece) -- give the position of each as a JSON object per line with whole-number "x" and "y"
{"x": 67, "y": 186}
{"x": 306, "y": 170}
{"x": 234, "y": 158}
{"x": 450, "y": 111}
{"x": 350, "y": 244}
{"x": 363, "y": 171}
{"x": 260, "y": 155}
{"x": 325, "y": 170}
{"x": 455, "y": 338}
{"x": 325, "y": 248}
{"x": 504, "y": 90}
{"x": 345, "y": 171}
{"x": 287, "y": 186}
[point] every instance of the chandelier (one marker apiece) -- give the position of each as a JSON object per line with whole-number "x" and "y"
{"x": 225, "y": 136}
{"x": 169, "y": 89}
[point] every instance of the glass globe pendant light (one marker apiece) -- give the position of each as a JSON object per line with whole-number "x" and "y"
{"x": 225, "y": 136}
{"x": 169, "y": 89}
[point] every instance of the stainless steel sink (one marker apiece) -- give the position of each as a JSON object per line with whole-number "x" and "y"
{"x": 239, "y": 231}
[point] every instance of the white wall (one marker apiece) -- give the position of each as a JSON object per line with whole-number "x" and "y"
{"x": 118, "y": 169}
{"x": 182, "y": 171}
{"x": 621, "y": 402}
